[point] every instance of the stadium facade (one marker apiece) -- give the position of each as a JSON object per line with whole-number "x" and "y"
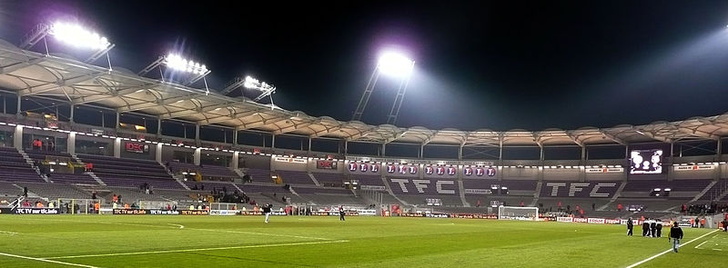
{"x": 52, "y": 97}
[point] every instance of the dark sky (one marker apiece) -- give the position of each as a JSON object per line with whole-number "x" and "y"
{"x": 479, "y": 64}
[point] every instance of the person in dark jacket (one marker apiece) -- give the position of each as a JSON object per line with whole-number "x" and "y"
{"x": 645, "y": 227}
{"x": 342, "y": 213}
{"x": 630, "y": 226}
{"x": 653, "y": 228}
{"x": 659, "y": 228}
{"x": 676, "y": 234}
{"x": 266, "y": 211}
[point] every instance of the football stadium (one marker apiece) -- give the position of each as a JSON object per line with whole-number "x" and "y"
{"x": 102, "y": 166}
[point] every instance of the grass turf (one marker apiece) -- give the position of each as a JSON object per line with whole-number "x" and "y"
{"x": 245, "y": 241}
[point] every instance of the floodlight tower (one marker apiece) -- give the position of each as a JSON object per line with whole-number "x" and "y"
{"x": 266, "y": 90}
{"x": 177, "y": 63}
{"x": 391, "y": 64}
{"x": 71, "y": 34}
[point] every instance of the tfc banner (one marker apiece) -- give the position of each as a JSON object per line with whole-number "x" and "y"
{"x": 36, "y": 211}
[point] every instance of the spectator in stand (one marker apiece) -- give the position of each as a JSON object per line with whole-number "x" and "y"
{"x": 37, "y": 144}
{"x": 93, "y": 195}
{"x": 89, "y": 167}
{"x": 676, "y": 234}
{"x": 620, "y": 207}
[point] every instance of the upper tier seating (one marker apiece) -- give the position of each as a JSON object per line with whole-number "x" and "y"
{"x": 294, "y": 177}
{"x": 329, "y": 178}
{"x": 130, "y": 172}
{"x": 15, "y": 168}
{"x": 78, "y": 177}
{"x": 208, "y": 172}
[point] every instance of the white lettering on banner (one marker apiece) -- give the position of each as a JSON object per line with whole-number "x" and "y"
{"x": 421, "y": 185}
{"x": 603, "y": 170}
{"x": 595, "y": 220}
{"x": 291, "y": 160}
{"x": 373, "y": 187}
{"x": 695, "y": 167}
{"x": 580, "y": 186}
{"x": 595, "y": 191}
{"x": 443, "y": 191}
{"x": 401, "y": 184}
{"x": 577, "y": 187}
{"x": 580, "y": 220}
{"x": 555, "y": 189}
{"x": 478, "y": 191}
{"x": 564, "y": 219}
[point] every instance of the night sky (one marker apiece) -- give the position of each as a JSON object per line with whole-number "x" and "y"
{"x": 479, "y": 64}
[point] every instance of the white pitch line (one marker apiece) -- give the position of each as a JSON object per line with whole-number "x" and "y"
{"x": 256, "y": 233}
{"x": 46, "y": 260}
{"x": 669, "y": 250}
{"x": 698, "y": 246}
{"x": 9, "y": 233}
{"x": 196, "y": 249}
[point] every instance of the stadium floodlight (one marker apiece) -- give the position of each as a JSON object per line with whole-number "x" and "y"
{"x": 266, "y": 90}
{"x": 72, "y": 34}
{"x": 177, "y": 63}
{"x": 392, "y": 64}
{"x": 395, "y": 64}
{"x": 77, "y": 35}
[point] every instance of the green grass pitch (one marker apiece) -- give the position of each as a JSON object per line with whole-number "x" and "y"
{"x": 245, "y": 241}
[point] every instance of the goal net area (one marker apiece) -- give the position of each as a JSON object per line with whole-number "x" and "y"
{"x": 517, "y": 213}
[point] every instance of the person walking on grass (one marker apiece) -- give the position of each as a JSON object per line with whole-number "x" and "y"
{"x": 266, "y": 211}
{"x": 676, "y": 234}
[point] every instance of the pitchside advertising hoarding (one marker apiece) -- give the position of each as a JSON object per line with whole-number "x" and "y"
{"x": 124, "y": 211}
{"x": 38, "y": 211}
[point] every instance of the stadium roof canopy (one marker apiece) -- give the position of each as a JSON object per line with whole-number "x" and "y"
{"x": 29, "y": 73}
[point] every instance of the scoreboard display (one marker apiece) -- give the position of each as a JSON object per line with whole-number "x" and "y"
{"x": 645, "y": 161}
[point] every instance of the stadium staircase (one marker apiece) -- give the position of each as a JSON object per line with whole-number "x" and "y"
{"x": 240, "y": 172}
{"x": 389, "y": 190}
{"x": 174, "y": 176}
{"x": 462, "y": 194}
{"x": 315, "y": 181}
{"x": 537, "y": 193}
{"x": 33, "y": 166}
{"x": 90, "y": 173}
{"x": 707, "y": 188}
{"x": 614, "y": 198}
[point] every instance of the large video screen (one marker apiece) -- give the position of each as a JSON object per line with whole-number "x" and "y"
{"x": 645, "y": 161}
